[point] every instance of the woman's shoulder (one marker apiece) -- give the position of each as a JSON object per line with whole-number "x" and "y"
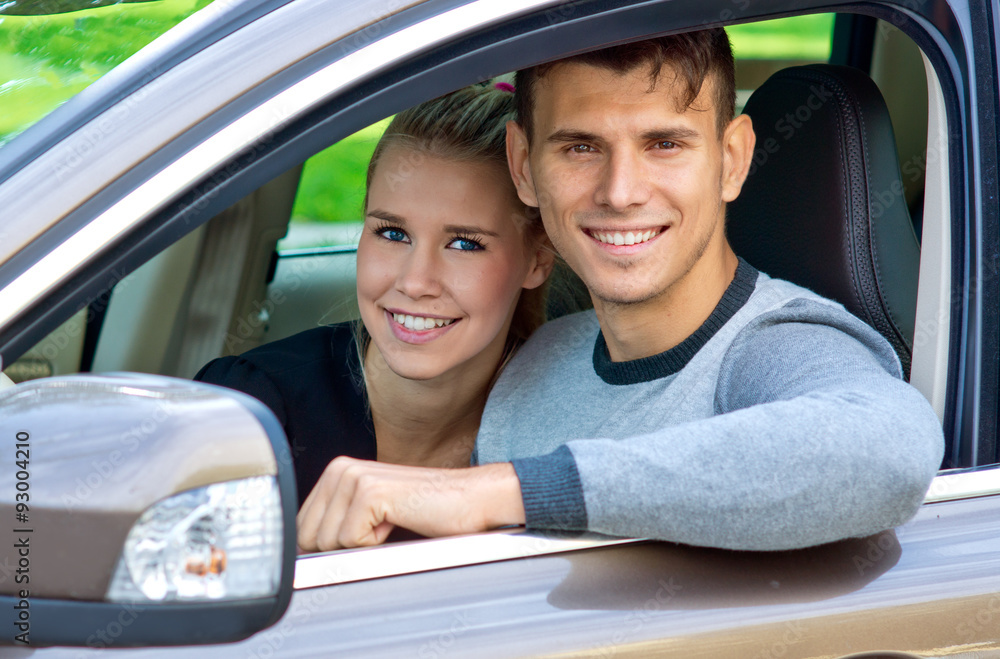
{"x": 316, "y": 344}
{"x": 317, "y": 348}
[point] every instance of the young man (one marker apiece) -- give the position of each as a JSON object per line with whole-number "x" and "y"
{"x": 701, "y": 401}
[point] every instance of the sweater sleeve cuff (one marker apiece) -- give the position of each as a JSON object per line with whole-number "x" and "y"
{"x": 551, "y": 491}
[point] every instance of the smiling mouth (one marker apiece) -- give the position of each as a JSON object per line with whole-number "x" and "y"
{"x": 624, "y": 237}
{"x": 420, "y": 323}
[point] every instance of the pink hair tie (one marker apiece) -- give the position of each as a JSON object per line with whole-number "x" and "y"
{"x": 505, "y": 87}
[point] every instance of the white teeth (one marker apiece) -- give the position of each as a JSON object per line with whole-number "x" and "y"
{"x": 419, "y": 323}
{"x": 628, "y": 238}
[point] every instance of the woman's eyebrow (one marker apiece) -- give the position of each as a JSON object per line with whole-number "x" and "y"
{"x": 470, "y": 229}
{"x": 386, "y": 215}
{"x": 466, "y": 229}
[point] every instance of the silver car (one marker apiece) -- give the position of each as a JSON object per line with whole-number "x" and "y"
{"x": 139, "y": 239}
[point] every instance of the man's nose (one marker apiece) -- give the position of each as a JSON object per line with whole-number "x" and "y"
{"x": 623, "y": 182}
{"x": 420, "y": 274}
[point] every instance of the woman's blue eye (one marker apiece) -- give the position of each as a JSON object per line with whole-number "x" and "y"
{"x": 395, "y": 235}
{"x": 465, "y": 245}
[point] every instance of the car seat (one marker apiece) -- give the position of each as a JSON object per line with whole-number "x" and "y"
{"x": 823, "y": 205}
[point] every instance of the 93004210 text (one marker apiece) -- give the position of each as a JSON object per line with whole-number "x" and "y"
{"x": 22, "y": 536}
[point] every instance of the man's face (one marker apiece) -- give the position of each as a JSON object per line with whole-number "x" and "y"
{"x": 631, "y": 187}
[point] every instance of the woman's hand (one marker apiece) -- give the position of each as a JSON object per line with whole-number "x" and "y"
{"x": 357, "y": 503}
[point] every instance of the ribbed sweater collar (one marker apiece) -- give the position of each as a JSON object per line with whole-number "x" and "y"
{"x": 671, "y": 361}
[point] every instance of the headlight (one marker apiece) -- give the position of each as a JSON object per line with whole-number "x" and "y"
{"x": 222, "y": 541}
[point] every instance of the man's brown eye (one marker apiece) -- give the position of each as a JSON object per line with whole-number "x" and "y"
{"x": 580, "y": 148}
{"x": 665, "y": 145}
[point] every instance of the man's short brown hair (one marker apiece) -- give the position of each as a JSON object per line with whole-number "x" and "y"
{"x": 693, "y": 55}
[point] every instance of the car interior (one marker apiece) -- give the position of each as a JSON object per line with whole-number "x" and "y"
{"x": 233, "y": 283}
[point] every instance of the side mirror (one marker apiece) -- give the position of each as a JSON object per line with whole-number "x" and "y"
{"x": 141, "y": 510}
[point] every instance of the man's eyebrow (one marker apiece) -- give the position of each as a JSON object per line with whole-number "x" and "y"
{"x": 672, "y": 134}
{"x": 470, "y": 229}
{"x": 669, "y": 134}
{"x": 569, "y": 135}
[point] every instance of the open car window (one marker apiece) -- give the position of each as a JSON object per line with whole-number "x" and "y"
{"x": 293, "y": 240}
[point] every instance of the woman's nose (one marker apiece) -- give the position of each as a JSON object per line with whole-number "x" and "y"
{"x": 420, "y": 274}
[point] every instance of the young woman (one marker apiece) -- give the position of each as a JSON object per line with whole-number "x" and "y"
{"x": 450, "y": 272}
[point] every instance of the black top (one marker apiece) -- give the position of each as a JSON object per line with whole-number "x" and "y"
{"x": 312, "y": 383}
{"x": 671, "y": 361}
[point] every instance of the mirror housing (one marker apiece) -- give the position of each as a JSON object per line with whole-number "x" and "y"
{"x": 142, "y": 510}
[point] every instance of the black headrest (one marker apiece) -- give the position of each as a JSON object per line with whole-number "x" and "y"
{"x": 823, "y": 205}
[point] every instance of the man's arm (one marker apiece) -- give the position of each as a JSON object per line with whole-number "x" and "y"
{"x": 815, "y": 439}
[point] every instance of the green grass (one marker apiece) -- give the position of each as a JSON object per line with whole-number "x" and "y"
{"x": 797, "y": 38}
{"x": 46, "y": 60}
{"x": 332, "y": 188}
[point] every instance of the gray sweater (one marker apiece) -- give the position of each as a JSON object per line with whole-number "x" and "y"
{"x": 782, "y": 422}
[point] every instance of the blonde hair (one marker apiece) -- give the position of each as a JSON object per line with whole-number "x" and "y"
{"x": 469, "y": 125}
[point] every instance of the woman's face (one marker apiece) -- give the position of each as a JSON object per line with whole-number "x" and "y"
{"x": 441, "y": 263}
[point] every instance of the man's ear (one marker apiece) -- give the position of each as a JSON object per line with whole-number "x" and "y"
{"x": 738, "y": 142}
{"x": 517, "y": 161}
{"x": 542, "y": 262}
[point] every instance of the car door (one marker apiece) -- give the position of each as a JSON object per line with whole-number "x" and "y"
{"x": 102, "y": 187}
